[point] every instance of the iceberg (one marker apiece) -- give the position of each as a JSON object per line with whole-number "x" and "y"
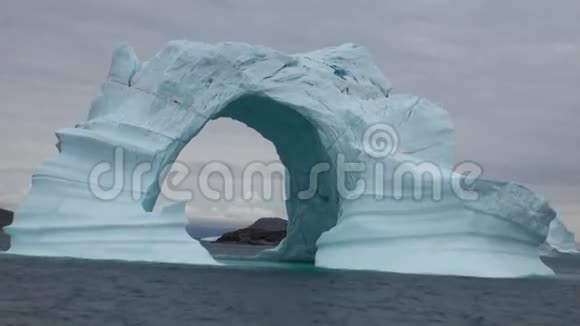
{"x": 372, "y": 182}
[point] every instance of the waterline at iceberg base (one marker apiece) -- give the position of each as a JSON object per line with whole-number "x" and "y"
{"x": 314, "y": 107}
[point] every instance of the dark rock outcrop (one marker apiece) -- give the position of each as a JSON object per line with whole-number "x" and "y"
{"x": 265, "y": 231}
{"x": 6, "y": 218}
{"x": 270, "y": 224}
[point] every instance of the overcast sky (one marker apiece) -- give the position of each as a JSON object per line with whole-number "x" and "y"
{"x": 507, "y": 71}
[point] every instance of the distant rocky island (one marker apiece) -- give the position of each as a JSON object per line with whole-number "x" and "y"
{"x": 6, "y": 218}
{"x": 265, "y": 231}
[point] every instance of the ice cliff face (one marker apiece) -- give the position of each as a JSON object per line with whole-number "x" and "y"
{"x": 317, "y": 107}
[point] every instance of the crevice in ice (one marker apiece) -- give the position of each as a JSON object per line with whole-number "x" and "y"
{"x": 292, "y": 63}
{"x": 410, "y": 111}
{"x": 424, "y": 148}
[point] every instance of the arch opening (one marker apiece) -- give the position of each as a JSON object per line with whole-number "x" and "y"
{"x": 208, "y": 185}
{"x": 311, "y": 205}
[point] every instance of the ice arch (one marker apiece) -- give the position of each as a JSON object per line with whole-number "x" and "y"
{"x": 331, "y": 105}
{"x": 299, "y": 148}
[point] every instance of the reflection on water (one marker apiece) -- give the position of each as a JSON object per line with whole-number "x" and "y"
{"x": 243, "y": 255}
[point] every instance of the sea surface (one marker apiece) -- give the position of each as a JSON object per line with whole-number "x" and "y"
{"x": 60, "y": 291}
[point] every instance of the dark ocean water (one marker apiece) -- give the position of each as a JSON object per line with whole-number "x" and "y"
{"x": 56, "y": 291}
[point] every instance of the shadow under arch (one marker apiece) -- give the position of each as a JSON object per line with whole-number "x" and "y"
{"x": 299, "y": 147}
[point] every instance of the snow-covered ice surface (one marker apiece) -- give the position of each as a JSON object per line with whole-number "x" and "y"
{"x": 314, "y": 107}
